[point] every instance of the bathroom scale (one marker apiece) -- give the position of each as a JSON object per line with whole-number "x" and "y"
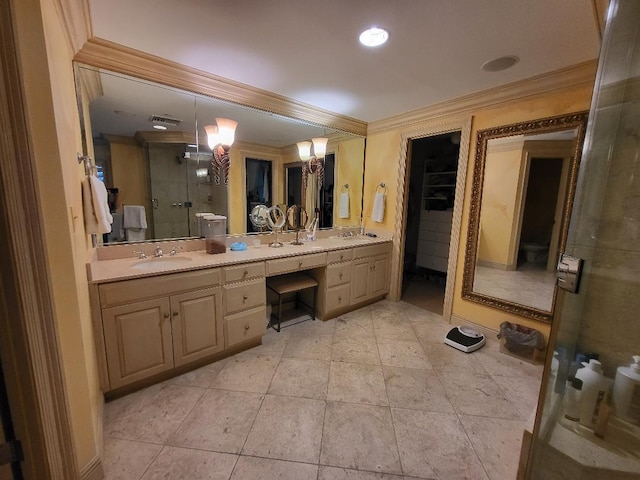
{"x": 465, "y": 339}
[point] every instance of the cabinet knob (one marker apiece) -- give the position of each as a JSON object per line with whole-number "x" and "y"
{"x": 245, "y": 273}
{"x": 299, "y": 264}
{"x": 341, "y": 257}
{"x": 339, "y": 299}
{"x": 166, "y": 314}
{"x": 340, "y": 276}
{"x": 175, "y": 314}
{"x": 246, "y": 327}
{"x": 245, "y": 297}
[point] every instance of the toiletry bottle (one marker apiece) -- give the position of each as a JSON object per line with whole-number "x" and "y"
{"x": 594, "y": 389}
{"x": 571, "y": 400}
{"x": 626, "y": 391}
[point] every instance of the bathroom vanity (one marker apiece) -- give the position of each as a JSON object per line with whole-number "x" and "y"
{"x": 161, "y": 316}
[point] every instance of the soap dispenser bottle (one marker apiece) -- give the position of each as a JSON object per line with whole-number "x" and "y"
{"x": 626, "y": 391}
{"x": 594, "y": 390}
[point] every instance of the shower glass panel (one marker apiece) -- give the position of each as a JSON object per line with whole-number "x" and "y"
{"x": 602, "y": 318}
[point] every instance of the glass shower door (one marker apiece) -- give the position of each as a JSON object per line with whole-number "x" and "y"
{"x": 602, "y": 318}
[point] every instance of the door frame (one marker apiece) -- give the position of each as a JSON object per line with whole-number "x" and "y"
{"x": 429, "y": 129}
{"x": 29, "y": 345}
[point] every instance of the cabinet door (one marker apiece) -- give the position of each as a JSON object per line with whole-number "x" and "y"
{"x": 196, "y": 321}
{"x": 137, "y": 340}
{"x": 360, "y": 281}
{"x": 379, "y": 276}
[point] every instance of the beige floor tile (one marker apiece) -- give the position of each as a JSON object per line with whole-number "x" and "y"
{"x": 287, "y": 428}
{"x": 357, "y": 383}
{"x": 126, "y": 459}
{"x": 200, "y": 377}
{"x": 394, "y": 327}
{"x": 247, "y": 373}
{"x": 497, "y": 442}
{"x": 444, "y": 358}
{"x": 498, "y": 363}
{"x": 273, "y": 343}
{"x": 313, "y": 328}
{"x": 473, "y": 394}
{"x": 337, "y": 473}
{"x": 297, "y": 377}
{"x": 415, "y": 389}
{"x": 521, "y": 391}
{"x": 251, "y": 468}
{"x": 221, "y": 421}
{"x": 309, "y": 347}
{"x": 431, "y": 332}
{"x": 355, "y": 349}
{"x": 361, "y": 437}
{"x": 182, "y": 463}
{"x": 434, "y": 445}
{"x": 402, "y": 353}
{"x": 354, "y": 326}
{"x": 154, "y": 413}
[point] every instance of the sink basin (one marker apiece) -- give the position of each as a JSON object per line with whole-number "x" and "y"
{"x": 161, "y": 262}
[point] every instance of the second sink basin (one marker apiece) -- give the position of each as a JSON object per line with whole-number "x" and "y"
{"x": 161, "y": 262}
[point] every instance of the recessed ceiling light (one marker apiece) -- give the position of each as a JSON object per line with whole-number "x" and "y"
{"x": 159, "y": 127}
{"x": 374, "y": 37}
{"x": 500, "y": 63}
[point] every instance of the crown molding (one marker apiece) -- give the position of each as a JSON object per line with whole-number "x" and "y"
{"x": 76, "y": 21}
{"x": 101, "y": 53}
{"x": 582, "y": 74}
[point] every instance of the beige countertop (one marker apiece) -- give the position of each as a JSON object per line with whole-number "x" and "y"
{"x": 102, "y": 271}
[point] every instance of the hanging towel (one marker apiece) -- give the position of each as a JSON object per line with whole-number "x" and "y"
{"x": 97, "y": 218}
{"x": 134, "y": 217}
{"x": 343, "y": 206}
{"x": 377, "y": 214}
{"x": 135, "y": 234}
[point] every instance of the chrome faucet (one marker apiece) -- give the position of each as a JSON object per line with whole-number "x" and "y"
{"x": 174, "y": 251}
{"x": 140, "y": 253}
{"x": 158, "y": 252}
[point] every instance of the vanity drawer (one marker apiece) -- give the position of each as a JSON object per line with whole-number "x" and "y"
{"x": 338, "y": 297}
{"x": 339, "y": 256}
{"x": 245, "y": 325}
{"x": 338, "y": 274}
{"x": 127, "y": 291}
{"x": 371, "y": 250}
{"x": 245, "y": 295}
{"x": 246, "y": 271}
{"x": 299, "y": 262}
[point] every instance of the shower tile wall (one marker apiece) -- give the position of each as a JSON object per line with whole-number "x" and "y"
{"x": 168, "y": 174}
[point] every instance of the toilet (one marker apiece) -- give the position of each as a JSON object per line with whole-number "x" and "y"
{"x": 535, "y": 252}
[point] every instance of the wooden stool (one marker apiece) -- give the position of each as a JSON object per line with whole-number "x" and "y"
{"x": 292, "y": 283}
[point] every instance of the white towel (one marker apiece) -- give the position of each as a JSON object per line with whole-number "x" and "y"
{"x": 97, "y": 218}
{"x": 135, "y": 234}
{"x": 377, "y": 213}
{"x": 343, "y": 205}
{"x": 134, "y": 217}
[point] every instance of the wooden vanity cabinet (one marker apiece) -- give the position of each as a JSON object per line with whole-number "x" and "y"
{"x": 153, "y": 324}
{"x": 370, "y": 272}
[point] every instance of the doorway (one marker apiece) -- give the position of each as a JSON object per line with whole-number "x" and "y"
{"x": 431, "y": 178}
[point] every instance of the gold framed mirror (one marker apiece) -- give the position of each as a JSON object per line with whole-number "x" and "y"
{"x": 524, "y": 182}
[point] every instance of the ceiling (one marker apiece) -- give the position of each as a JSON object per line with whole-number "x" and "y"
{"x": 309, "y": 51}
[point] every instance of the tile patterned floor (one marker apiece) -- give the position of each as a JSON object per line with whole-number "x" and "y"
{"x": 371, "y": 395}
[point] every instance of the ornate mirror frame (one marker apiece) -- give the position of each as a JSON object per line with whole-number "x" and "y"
{"x": 576, "y": 121}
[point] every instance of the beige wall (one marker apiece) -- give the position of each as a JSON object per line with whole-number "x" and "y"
{"x": 500, "y": 206}
{"x": 54, "y": 127}
{"x": 381, "y": 165}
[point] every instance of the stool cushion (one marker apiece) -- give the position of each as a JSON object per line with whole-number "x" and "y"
{"x": 292, "y": 282}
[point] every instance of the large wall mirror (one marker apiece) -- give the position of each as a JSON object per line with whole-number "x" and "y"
{"x": 523, "y": 187}
{"x": 150, "y": 147}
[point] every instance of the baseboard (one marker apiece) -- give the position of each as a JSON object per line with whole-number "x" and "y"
{"x": 93, "y": 470}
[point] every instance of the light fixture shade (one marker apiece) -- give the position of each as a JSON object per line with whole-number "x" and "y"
{"x": 319, "y": 146}
{"x": 304, "y": 151}
{"x": 213, "y": 138}
{"x": 226, "y": 130}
